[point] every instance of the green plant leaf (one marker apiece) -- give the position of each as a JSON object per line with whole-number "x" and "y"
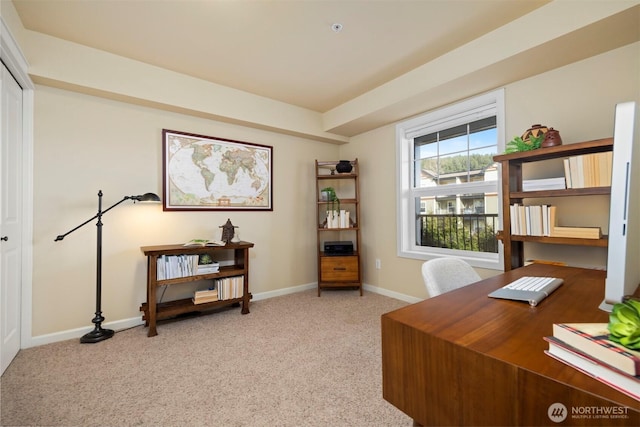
{"x": 517, "y": 144}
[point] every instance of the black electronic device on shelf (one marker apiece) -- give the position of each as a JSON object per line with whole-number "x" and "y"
{"x": 338, "y": 248}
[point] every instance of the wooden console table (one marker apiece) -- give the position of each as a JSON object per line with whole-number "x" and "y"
{"x": 154, "y": 311}
{"x": 465, "y": 359}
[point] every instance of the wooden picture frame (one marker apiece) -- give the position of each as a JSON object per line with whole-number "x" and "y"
{"x": 206, "y": 173}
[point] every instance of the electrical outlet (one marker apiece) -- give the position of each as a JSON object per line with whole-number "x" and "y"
{"x": 378, "y": 264}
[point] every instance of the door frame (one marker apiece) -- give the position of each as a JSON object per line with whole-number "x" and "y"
{"x": 16, "y": 63}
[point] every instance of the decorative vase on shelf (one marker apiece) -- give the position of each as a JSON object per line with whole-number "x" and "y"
{"x": 535, "y": 131}
{"x": 552, "y": 138}
{"x": 344, "y": 166}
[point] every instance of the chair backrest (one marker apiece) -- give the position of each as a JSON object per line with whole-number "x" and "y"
{"x": 446, "y": 274}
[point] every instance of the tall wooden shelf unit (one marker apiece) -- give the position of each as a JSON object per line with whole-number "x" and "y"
{"x": 338, "y": 271}
{"x": 512, "y": 193}
{"x": 154, "y": 311}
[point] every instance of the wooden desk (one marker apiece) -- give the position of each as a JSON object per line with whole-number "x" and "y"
{"x": 463, "y": 358}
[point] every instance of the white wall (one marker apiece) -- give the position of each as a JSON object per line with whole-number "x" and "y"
{"x": 84, "y": 144}
{"x": 578, "y": 100}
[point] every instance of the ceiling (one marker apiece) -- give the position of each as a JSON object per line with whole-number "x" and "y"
{"x": 282, "y": 50}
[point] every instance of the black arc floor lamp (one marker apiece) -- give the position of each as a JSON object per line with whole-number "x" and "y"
{"x": 98, "y": 333}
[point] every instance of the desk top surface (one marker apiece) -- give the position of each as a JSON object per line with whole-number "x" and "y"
{"x": 513, "y": 331}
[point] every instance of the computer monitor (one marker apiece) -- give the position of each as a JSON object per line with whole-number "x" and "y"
{"x": 623, "y": 256}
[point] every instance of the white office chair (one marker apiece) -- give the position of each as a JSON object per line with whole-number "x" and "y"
{"x": 446, "y": 274}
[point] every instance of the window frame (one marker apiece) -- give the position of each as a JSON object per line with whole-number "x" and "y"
{"x": 443, "y": 118}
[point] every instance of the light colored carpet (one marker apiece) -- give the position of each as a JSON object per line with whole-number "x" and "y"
{"x": 295, "y": 360}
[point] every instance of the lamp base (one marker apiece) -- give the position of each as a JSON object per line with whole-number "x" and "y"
{"x": 97, "y": 335}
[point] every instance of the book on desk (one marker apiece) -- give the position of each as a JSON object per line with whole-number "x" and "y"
{"x": 587, "y": 348}
{"x": 595, "y": 368}
{"x": 593, "y": 339}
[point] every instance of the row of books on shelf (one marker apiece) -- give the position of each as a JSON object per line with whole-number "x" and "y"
{"x": 584, "y": 171}
{"x": 540, "y": 220}
{"x": 587, "y": 348}
{"x": 222, "y": 289}
{"x": 175, "y": 266}
{"x": 588, "y": 170}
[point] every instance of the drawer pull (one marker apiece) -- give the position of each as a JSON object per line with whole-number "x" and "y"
{"x": 340, "y": 268}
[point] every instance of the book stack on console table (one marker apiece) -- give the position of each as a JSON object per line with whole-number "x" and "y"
{"x": 587, "y": 348}
{"x": 212, "y": 267}
{"x": 208, "y": 295}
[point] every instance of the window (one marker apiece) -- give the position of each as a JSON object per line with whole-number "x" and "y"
{"x": 448, "y": 202}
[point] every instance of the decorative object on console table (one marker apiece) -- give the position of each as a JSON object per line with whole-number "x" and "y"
{"x": 338, "y": 220}
{"x": 206, "y": 265}
{"x": 99, "y": 333}
{"x": 227, "y": 231}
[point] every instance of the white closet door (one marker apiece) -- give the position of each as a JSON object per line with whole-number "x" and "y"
{"x": 10, "y": 217}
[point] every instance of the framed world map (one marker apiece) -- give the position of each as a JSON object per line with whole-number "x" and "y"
{"x": 208, "y": 173}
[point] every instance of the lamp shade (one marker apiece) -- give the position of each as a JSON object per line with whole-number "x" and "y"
{"x": 147, "y": 197}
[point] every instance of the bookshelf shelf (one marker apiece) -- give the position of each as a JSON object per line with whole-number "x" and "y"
{"x": 153, "y": 311}
{"x": 512, "y": 193}
{"x": 227, "y": 271}
{"x": 601, "y": 243}
{"x": 170, "y": 309}
{"x": 557, "y": 152}
{"x": 594, "y": 191}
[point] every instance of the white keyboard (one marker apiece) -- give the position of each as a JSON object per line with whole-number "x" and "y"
{"x": 531, "y": 289}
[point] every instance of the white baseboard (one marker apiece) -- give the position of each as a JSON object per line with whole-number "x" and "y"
{"x": 119, "y": 325}
{"x": 391, "y": 294}
{"x": 71, "y": 334}
{"x": 370, "y": 288}
{"x": 283, "y": 291}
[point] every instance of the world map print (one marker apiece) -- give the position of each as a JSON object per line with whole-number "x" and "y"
{"x": 209, "y": 173}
